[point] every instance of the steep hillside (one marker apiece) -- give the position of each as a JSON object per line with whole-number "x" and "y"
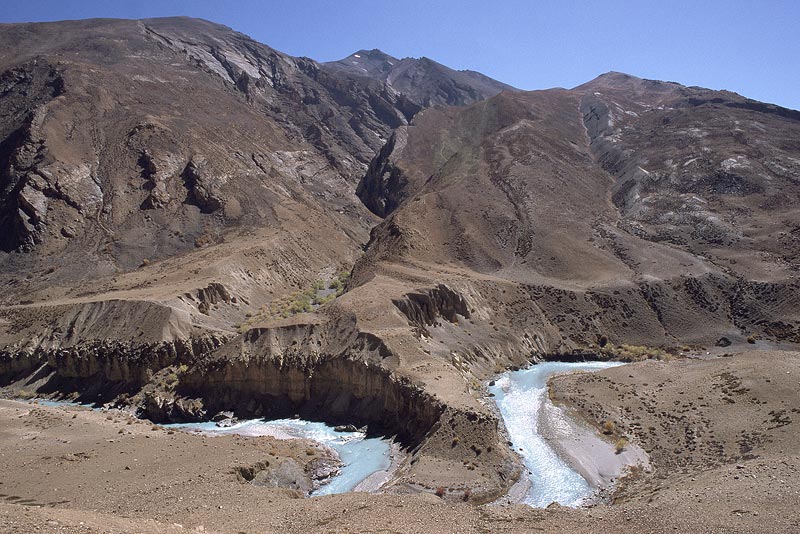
{"x": 642, "y": 212}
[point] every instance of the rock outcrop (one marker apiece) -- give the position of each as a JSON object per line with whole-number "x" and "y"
{"x": 25, "y": 189}
{"x": 425, "y": 308}
{"x": 382, "y": 186}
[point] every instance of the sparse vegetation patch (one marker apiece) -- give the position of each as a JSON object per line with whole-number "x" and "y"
{"x": 320, "y": 293}
{"x": 633, "y": 353}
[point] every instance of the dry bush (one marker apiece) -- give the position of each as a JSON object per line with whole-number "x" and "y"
{"x": 633, "y": 353}
{"x": 608, "y": 426}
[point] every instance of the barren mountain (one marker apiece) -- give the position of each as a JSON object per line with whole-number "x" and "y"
{"x": 171, "y": 187}
{"x": 195, "y": 222}
{"x": 646, "y": 212}
{"x": 422, "y": 80}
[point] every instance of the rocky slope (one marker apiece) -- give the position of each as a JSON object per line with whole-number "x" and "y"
{"x": 641, "y": 212}
{"x": 421, "y": 80}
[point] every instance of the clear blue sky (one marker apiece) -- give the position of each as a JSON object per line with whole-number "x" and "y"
{"x": 751, "y": 47}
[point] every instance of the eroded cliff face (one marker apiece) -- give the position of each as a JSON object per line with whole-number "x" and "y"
{"x": 98, "y": 349}
{"x": 338, "y": 390}
{"x": 424, "y": 308}
{"x": 323, "y": 368}
{"x": 98, "y": 371}
{"x": 26, "y": 187}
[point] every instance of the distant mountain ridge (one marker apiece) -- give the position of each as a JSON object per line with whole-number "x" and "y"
{"x": 423, "y": 80}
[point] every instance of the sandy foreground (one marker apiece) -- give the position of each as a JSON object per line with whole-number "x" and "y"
{"x": 722, "y": 436}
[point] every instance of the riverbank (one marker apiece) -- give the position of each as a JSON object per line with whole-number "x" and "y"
{"x": 721, "y": 435}
{"x": 378, "y": 480}
{"x": 565, "y": 463}
{"x": 587, "y": 451}
{"x": 358, "y": 457}
{"x": 72, "y": 454}
{"x": 717, "y": 466}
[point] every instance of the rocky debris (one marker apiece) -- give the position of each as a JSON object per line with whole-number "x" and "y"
{"x": 723, "y": 342}
{"x": 222, "y": 416}
{"x": 163, "y": 407}
{"x": 159, "y": 171}
{"x": 204, "y": 188}
{"x": 224, "y": 419}
{"x": 289, "y": 474}
{"x": 227, "y": 423}
{"x": 210, "y": 295}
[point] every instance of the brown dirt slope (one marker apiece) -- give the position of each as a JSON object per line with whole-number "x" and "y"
{"x": 532, "y": 189}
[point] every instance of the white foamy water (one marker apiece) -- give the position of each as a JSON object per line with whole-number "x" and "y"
{"x": 519, "y": 396}
{"x": 361, "y": 456}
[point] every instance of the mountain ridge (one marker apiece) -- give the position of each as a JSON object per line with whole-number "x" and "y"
{"x": 421, "y": 79}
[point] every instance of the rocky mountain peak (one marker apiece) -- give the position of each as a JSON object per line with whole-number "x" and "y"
{"x": 421, "y": 80}
{"x": 626, "y": 82}
{"x": 370, "y": 63}
{"x": 375, "y": 54}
